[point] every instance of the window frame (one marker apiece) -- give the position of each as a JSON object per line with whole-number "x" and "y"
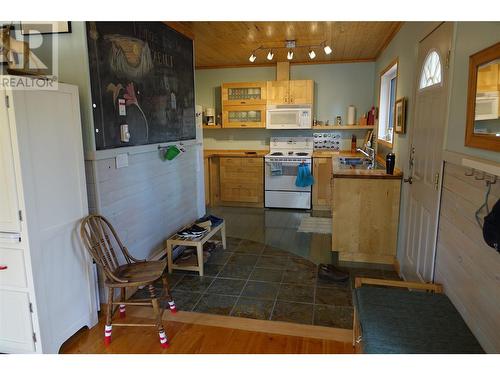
{"x": 390, "y": 73}
{"x": 440, "y": 83}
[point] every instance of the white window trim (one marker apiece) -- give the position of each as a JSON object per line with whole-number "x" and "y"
{"x": 384, "y": 102}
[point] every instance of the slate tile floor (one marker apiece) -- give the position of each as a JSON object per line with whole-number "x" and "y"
{"x": 253, "y": 280}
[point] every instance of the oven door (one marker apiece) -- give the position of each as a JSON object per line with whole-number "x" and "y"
{"x": 285, "y": 181}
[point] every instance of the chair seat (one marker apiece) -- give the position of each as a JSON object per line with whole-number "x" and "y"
{"x": 138, "y": 274}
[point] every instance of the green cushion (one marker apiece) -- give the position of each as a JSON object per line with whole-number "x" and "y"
{"x": 395, "y": 320}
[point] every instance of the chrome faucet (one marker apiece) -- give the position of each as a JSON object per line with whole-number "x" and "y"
{"x": 370, "y": 155}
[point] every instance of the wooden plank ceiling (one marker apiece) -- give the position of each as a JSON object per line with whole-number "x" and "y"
{"x": 226, "y": 44}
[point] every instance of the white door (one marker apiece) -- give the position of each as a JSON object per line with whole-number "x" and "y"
{"x": 9, "y": 211}
{"x": 431, "y": 92}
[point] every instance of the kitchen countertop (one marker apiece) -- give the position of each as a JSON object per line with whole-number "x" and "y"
{"x": 347, "y": 171}
{"x": 332, "y": 153}
{"x": 235, "y": 153}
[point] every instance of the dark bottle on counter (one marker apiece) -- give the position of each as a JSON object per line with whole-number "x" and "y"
{"x": 353, "y": 143}
{"x": 390, "y": 161}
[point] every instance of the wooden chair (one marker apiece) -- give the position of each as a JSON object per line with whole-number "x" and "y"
{"x": 99, "y": 237}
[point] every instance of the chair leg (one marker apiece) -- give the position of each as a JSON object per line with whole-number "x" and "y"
{"x": 123, "y": 296}
{"x": 171, "y": 302}
{"x": 109, "y": 316}
{"x": 157, "y": 311}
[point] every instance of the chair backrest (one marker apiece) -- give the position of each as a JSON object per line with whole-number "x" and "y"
{"x": 98, "y": 236}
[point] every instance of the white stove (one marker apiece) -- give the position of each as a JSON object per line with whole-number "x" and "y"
{"x": 286, "y": 154}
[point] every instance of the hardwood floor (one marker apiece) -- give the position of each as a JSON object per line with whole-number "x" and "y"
{"x": 196, "y": 339}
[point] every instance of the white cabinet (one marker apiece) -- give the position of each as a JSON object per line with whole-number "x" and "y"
{"x": 16, "y": 329}
{"x": 47, "y": 289}
{"x": 9, "y": 211}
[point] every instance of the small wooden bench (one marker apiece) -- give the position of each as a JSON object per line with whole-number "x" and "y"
{"x": 391, "y": 318}
{"x": 176, "y": 240}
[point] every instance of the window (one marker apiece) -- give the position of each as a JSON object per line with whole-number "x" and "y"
{"x": 387, "y": 97}
{"x": 431, "y": 71}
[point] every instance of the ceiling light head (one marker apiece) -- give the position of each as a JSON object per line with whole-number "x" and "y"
{"x": 312, "y": 54}
{"x": 252, "y": 57}
{"x": 327, "y": 49}
{"x": 289, "y": 55}
{"x": 270, "y": 55}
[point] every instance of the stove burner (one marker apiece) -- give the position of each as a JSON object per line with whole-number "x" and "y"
{"x": 290, "y": 152}
{"x": 301, "y": 153}
{"x": 277, "y": 154}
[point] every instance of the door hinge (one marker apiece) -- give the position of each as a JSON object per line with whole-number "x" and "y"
{"x": 7, "y": 101}
{"x": 436, "y": 181}
{"x": 447, "y": 61}
{"x": 31, "y": 308}
{"x": 20, "y": 215}
{"x": 34, "y": 337}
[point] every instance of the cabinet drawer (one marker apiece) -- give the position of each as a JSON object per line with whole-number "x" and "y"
{"x": 15, "y": 273}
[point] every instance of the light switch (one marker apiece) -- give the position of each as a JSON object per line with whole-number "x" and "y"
{"x": 121, "y": 160}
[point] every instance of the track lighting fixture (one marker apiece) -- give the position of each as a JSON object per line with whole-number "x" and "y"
{"x": 290, "y": 45}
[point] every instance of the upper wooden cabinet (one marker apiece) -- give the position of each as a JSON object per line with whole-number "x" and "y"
{"x": 290, "y": 92}
{"x": 244, "y": 93}
{"x": 488, "y": 78}
{"x": 244, "y": 116}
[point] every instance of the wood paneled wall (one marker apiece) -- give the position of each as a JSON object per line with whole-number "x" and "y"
{"x": 467, "y": 267}
{"x": 147, "y": 201}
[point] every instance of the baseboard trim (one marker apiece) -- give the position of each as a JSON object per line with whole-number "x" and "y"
{"x": 246, "y": 324}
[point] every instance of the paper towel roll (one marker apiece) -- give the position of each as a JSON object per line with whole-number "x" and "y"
{"x": 351, "y": 115}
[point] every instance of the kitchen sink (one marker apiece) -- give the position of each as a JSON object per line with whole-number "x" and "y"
{"x": 358, "y": 162}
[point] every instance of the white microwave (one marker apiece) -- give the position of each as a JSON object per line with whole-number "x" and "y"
{"x": 289, "y": 117}
{"x": 487, "y": 106}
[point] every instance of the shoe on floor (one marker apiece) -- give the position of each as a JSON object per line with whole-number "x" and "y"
{"x": 332, "y": 273}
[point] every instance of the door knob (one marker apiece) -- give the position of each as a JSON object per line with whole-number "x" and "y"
{"x": 409, "y": 180}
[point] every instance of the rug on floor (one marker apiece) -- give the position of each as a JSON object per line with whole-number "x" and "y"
{"x": 311, "y": 224}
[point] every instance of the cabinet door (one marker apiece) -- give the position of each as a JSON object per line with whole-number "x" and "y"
{"x": 301, "y": 92}
{"x": 244, "y": 116}
{"x": 322, "y": 187}
{"x": 488, "y": 78}
{"x": 9, "y": 211}
{"x": 241, "y": 180}
{"x": 16, "y": 329}
{"x": 244, "y": 93}
{"x": 278, "y": 92}
{"x": 207, "y": 180}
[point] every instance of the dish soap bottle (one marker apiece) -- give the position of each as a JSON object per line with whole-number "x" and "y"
{"x": 353, "y": 143}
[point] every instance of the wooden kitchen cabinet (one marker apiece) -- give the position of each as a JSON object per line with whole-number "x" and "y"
{"x": 206, "y": 167}
{"x": 290, "y": 92}
{"x": 488, "y": 78}
{"x": 241, "y": 181}
{"x": 244, "y": 116}
{"x": 244, "y": 93}
{"x": 322, "y": 187}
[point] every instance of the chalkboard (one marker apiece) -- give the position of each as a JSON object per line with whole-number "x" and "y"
{"x": 141, "y": 75}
